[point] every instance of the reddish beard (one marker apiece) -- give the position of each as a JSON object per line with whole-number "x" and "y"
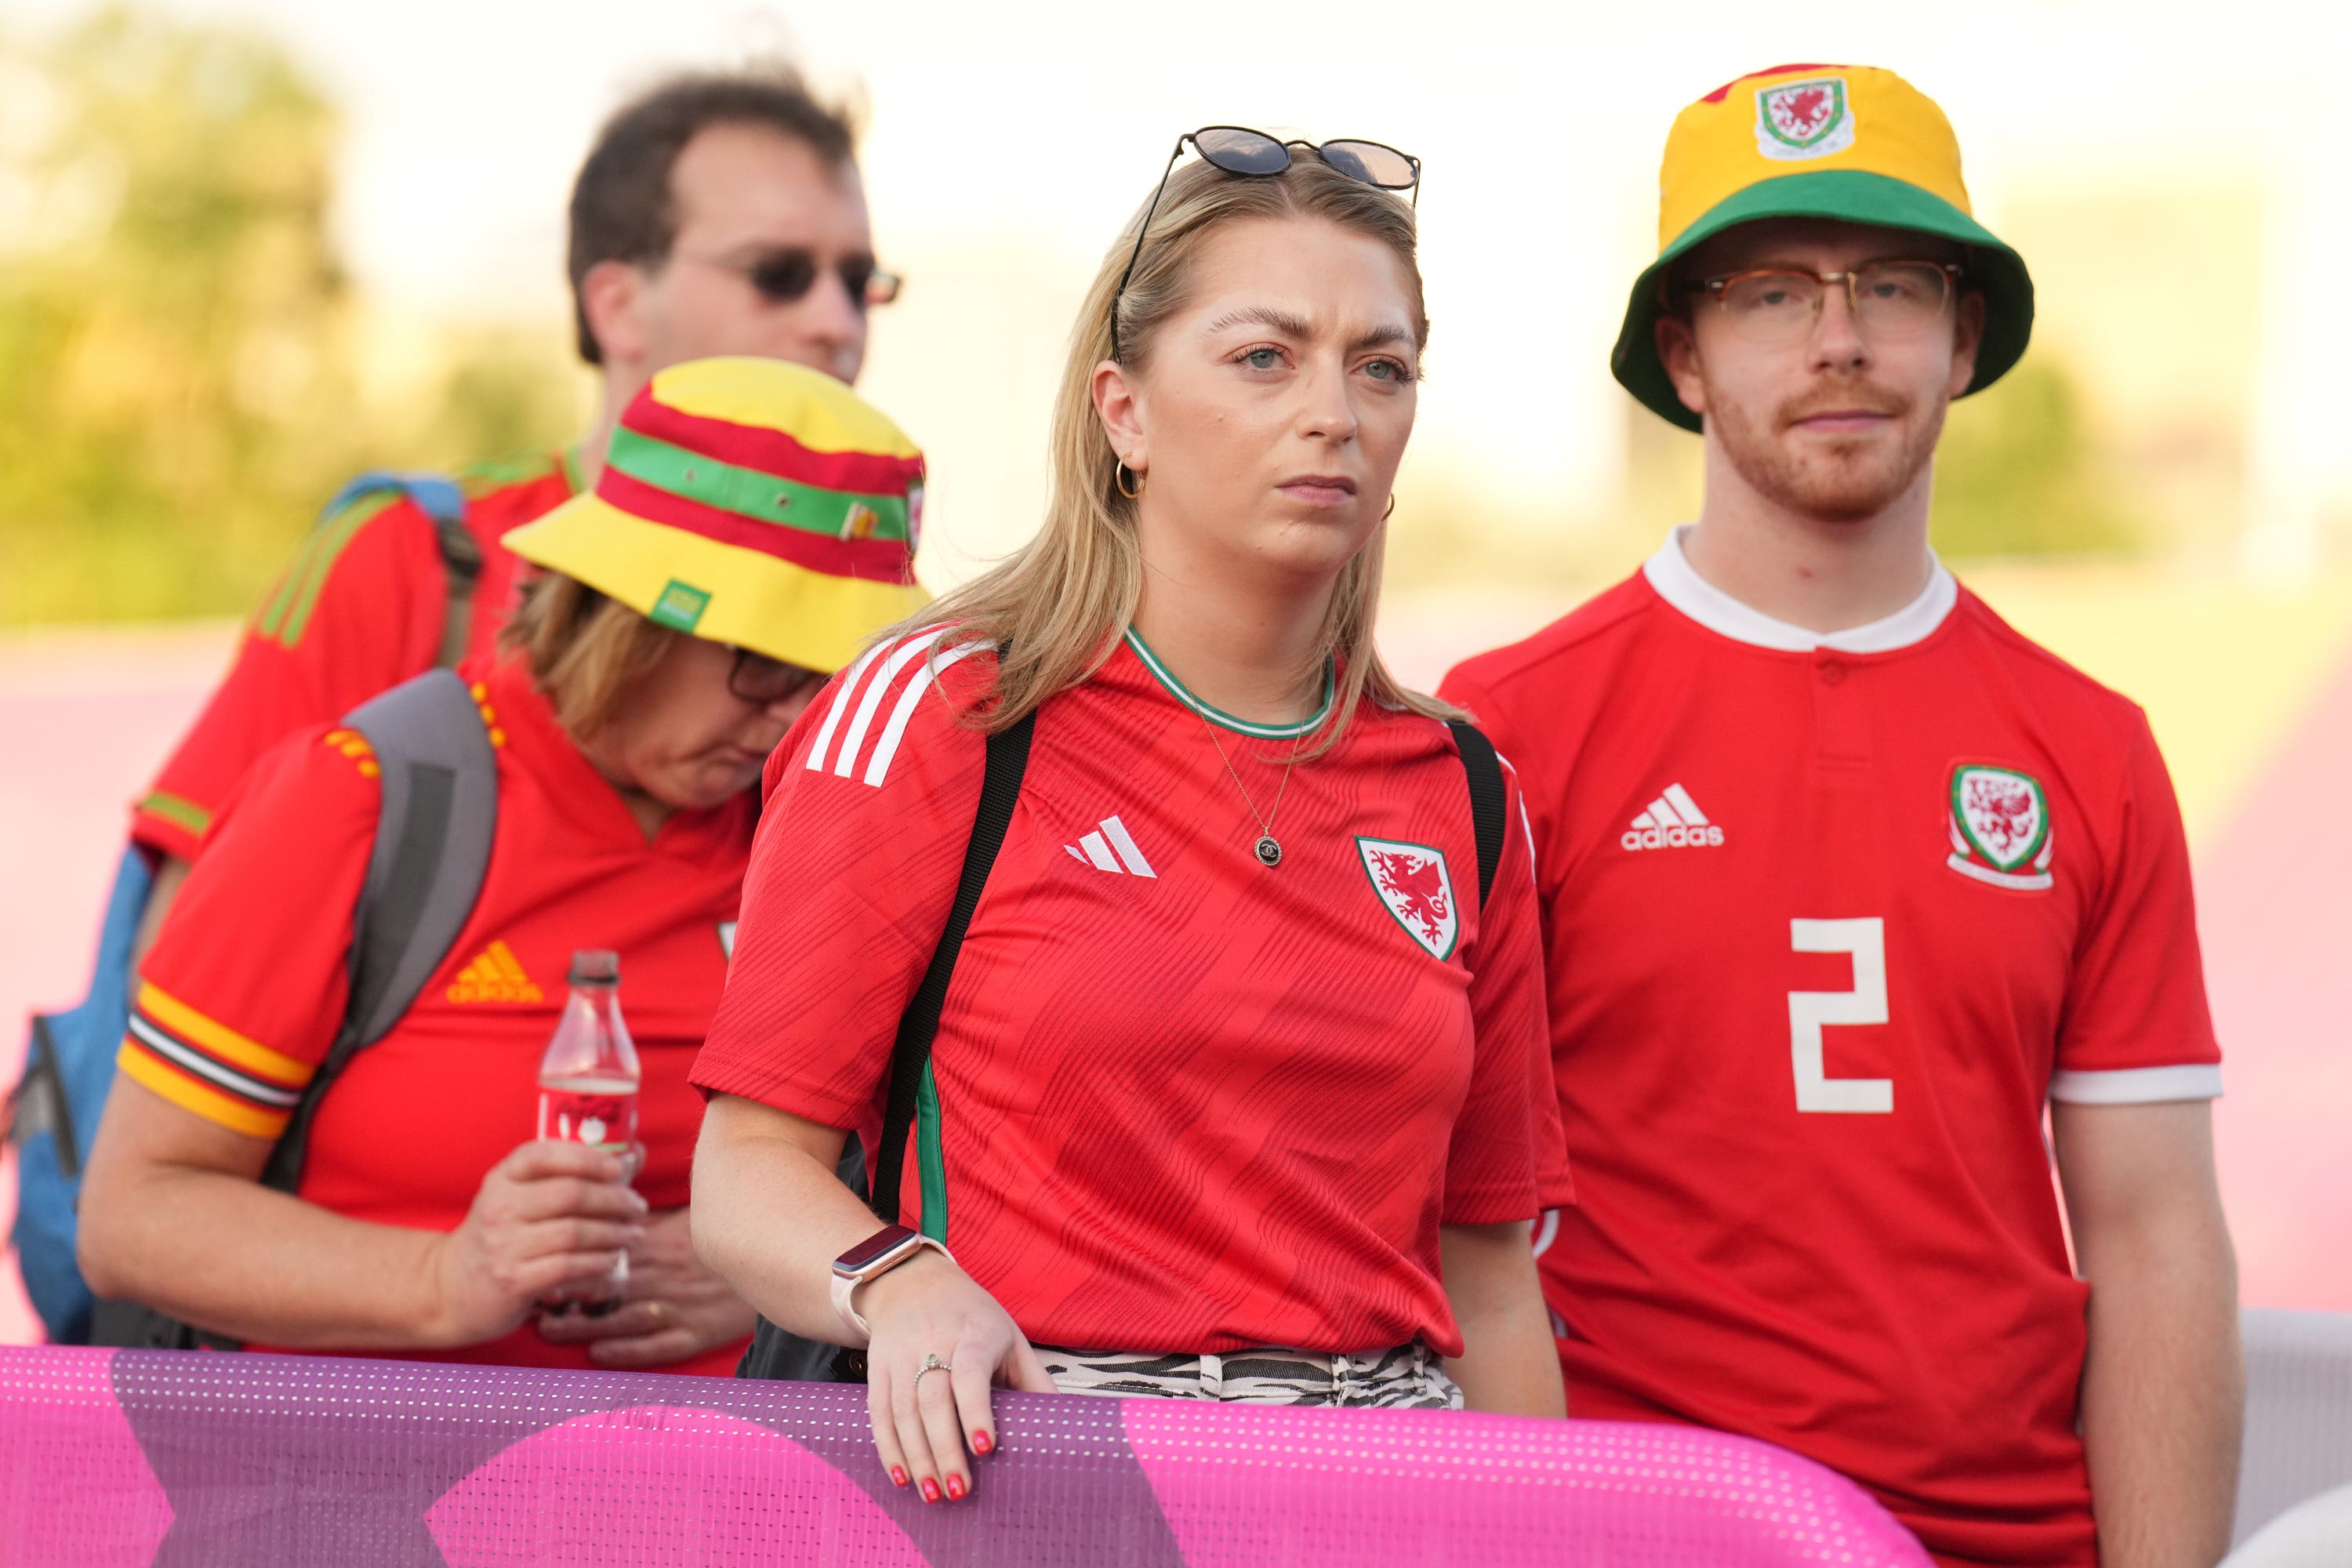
{"x": 1836, "y": 478}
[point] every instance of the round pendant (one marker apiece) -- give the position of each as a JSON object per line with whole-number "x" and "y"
{"x": 1269, "y": 852}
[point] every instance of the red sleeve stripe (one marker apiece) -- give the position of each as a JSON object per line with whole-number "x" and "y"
{"x": 197, "y": 1062}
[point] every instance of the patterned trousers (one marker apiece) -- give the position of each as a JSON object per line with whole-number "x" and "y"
{"x": 1410, "y": 1377}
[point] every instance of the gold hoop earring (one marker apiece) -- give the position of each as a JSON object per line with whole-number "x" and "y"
{"x": 1120, "y": 473}
{"x": 1391, "y": 510}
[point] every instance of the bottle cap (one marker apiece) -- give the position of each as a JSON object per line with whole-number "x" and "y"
{"x": 595, "y": 966}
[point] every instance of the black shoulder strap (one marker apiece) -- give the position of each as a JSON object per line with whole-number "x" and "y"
{"x": 1000, "y": 788}
{"x": 1486, "y": 799}
{"x": 440, "y": 784}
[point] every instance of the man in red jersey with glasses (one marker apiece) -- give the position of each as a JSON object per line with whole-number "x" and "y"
{"x": 1847, "y": 885}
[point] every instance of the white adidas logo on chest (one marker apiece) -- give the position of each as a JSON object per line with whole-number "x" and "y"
{"x": 1673, "y": 821}
{"x": 1110, "y": 847}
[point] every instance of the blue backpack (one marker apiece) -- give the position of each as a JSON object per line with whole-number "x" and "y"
{"x": 70, "y": 1060}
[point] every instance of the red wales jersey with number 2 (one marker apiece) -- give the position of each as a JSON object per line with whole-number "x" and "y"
{"x": 1828, "y": 919}
{"x": 1182, "y": 1101}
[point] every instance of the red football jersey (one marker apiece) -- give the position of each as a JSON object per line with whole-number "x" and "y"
{"x": 246, "y": 987}
{"x": 1181, "y": 1102}
{"x": 1828, "y": 919}
{"x": 358, "y": 611}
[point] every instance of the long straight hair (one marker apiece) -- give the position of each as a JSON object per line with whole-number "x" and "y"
{"x": 1060, "y": 603}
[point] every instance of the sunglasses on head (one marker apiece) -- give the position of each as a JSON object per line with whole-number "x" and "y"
{"x": 784, "y": 276}
{"x": 1238, "y": 149}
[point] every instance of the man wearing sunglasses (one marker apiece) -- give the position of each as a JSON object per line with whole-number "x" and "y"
{"x": 1847, "y": 884}
{"x": 716, "y": 214}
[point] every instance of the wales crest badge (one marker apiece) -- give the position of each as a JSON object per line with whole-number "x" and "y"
{"x": 1801, "y": 119}
{"x": 2001, "y": 828}
{"x": 1416, "y": 890}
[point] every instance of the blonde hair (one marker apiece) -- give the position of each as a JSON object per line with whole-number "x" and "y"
{"x": 586, "y": 650}
{"x": 1060, "y": 603}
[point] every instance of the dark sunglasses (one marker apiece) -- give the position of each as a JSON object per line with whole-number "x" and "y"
{"x": 1238, "y": 149}
{"x": 781, "y": 277}
{"x": 762, "y": 681}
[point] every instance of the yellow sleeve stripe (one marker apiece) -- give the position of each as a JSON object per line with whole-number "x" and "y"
{"x": 177, "y": 1018}
{"x": 143, "y": 1067}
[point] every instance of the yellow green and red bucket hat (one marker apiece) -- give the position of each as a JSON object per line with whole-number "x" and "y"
{"x": 749, "y": 501}
{"x": 1854, "y": 143}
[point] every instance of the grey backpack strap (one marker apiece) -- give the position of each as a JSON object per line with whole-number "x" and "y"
{"x": 440, "y": 784}
{"x": 461, "y": 564}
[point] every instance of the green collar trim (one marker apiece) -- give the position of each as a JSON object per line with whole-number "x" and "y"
{"x": 1225, "y": 721}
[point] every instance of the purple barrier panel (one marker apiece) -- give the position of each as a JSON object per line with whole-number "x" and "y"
{"x": 111, "y": 1457}
{"x": 74, "y": 1486}
{"x": 1241, "y": 1487}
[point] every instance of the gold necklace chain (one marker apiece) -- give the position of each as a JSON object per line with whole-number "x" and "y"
{"x": 1268, "y": 849}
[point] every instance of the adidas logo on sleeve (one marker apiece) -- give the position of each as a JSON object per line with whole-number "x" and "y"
{"x": 1673, "y": 821}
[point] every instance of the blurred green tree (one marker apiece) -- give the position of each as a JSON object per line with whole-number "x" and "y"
{"x": 502, "y": 391}
{"x": 168, "y": 379}
{"x": 177, "y": 393}
{"x": 2021, "y": 472}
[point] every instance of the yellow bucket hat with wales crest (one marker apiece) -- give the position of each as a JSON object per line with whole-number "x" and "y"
{"x": 749, "y": 501}
{"x": 1853, "y": 143}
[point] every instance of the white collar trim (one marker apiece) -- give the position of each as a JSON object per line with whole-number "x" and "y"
{"x": 1670, "y": 572}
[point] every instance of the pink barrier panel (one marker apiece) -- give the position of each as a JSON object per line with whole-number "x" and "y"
{"x": 122, "y": 1458}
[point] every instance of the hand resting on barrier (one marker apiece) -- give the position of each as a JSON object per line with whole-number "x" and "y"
{"x": 926, "y": 1415}
{"x": 770, "y": 1216}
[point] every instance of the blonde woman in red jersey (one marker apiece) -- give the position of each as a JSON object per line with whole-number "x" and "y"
{"x": 1238, "y": 1091}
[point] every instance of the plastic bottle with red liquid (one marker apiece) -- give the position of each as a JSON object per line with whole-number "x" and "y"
{"x": 588, "y": 1094}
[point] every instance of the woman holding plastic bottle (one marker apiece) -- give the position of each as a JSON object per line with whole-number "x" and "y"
{"x": 468, "y": 1183}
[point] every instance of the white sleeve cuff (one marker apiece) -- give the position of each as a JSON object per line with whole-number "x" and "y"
{"x": 2138, "y": 1086}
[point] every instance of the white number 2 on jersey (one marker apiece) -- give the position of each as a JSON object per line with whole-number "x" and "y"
{"x": 1810, "y": 1011}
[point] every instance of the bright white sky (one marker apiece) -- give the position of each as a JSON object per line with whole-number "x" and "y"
{"x": 1008, "y": 142}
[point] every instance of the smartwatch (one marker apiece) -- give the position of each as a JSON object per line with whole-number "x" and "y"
{"x": 870, "y": 1259}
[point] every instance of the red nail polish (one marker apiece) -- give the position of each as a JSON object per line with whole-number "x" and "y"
{"x": 897, "y": 1475}
{"x": 930, "y": 1490}
{"x": 955, "y": 1488}
{"x": 981, "y": 1442}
